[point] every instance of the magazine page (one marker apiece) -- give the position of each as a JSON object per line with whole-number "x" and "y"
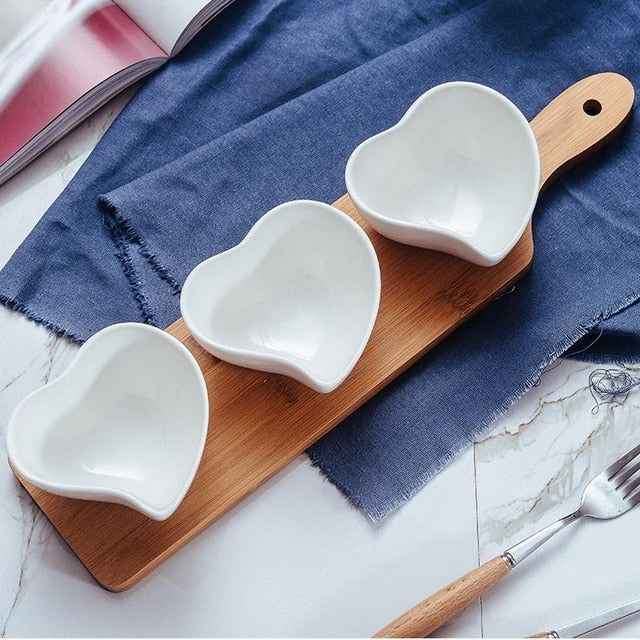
{"x": 170, "y": 23}
{"x": 29, "y": 30}
{"x": 93, "y": 53}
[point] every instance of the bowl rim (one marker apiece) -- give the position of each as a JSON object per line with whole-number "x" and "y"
{"x": 122, "y": 496}
{"x": 294, "y": 369}
{"x": 378, "y": 219}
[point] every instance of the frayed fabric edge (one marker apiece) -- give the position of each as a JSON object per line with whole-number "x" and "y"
{"x": 121, "y": 242}
{"x": 376, "y": 514}
{"x": 611, "y": 358}
{"x": 14, "y": 305}
{"x": 124, "y": 234}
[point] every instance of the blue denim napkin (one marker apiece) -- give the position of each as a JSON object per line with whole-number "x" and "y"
{"x": 265, "y": 106}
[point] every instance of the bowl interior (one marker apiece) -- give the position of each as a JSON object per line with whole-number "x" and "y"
{"x": 302, "y": 287}
{"x": 464, "y": 160}
{"x": 127, "y": 418}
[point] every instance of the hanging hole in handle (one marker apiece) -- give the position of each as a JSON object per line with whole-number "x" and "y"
{"x": 592, "y": 107}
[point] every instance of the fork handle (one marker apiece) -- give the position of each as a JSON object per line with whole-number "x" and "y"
{"x": 432, "y": 613}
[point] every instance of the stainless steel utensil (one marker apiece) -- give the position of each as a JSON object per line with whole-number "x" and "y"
{"x": 608, "y": 495}
{"x": 586, "y": 625}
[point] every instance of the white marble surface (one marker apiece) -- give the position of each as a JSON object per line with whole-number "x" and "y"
{"x": 295, "y": 559}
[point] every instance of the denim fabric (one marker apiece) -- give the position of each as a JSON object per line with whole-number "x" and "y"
{"x": 265, "y": 106}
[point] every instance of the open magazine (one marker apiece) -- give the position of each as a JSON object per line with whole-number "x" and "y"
{"x": 60, "y": 60}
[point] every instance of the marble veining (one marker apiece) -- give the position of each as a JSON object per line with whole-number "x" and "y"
{"x": 34, "y": 363}
{"x": 565, "y": 445}
{"x": 34, "y": 534}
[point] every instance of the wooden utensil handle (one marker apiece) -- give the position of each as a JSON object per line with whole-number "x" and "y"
{"x": 580, "y": 120}
{"x": 433, "y": 612}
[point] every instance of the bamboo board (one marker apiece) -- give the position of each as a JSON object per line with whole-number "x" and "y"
{"x": 260, "y": 422}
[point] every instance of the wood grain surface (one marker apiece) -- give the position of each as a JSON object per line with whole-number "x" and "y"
{"x": 259, "y": 422}
{"x": 432, "y": 613}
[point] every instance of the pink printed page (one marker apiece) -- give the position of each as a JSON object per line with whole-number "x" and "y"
{"x": 104, "y": 44}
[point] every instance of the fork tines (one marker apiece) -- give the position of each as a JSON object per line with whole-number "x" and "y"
{"x": 622, "y": 472}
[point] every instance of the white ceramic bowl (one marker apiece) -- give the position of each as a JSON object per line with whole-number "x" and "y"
{"x": 126, "y": 423}
{"x": 459, "y": 173}
{"x": 298, "y": 296}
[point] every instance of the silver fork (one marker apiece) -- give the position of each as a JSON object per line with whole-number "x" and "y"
{"x": 608, "y": 495}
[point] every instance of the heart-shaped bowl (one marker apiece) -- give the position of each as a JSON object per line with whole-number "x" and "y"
{"x": 459, "y": 173}
{"x": 298, "y": 296}
{"x": 126, "y": 423}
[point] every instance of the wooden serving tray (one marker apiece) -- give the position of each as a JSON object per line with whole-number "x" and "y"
{"x": 259, "y": 422}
